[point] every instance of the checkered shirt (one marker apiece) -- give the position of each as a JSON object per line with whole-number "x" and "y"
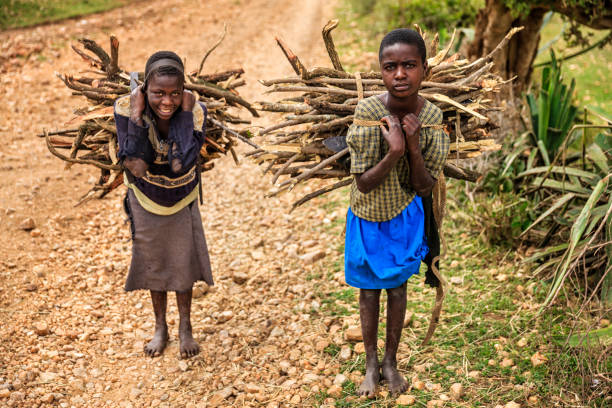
{"x": 367, "y": 147}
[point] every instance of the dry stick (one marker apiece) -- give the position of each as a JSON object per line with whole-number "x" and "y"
{"x": 281, "y": 125}
{"x": 212, "y": 49}
{"x": 59, "y": 132}
{"x": 233, "y": 133}
{"x": 113, "y": 67}
{"x": 221, "y": 76}
{"x": 221, "y": 93}
{"x": 293, "y": 59}
{"x": 284, "y": 167}
{"x": 283, "y": 107}
{"x": 322, "y": 191}
{"x": 336, "y": 107}
{"x": 98, "y": 51}
{"x": 319, "y": 166}
{"x": 329, "y": 44}
{"x": 78, "y": 161}
{"x": 324, "y": 90}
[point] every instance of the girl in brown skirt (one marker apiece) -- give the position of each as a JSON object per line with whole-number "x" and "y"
{"x": 160, "y": 130}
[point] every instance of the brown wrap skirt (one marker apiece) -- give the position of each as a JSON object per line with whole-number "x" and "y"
{"x": 169, "y": 252}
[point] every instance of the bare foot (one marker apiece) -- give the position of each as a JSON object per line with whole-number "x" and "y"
{"x": 368, "y": 386}
{"x": 189, "y": 347}
{"x": 397, "y": 382}
{"x": 157, "y": 345}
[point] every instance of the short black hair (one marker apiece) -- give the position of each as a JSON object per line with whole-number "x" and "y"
{"x": 403, "y": 36}
{"x": 165, "y": 69}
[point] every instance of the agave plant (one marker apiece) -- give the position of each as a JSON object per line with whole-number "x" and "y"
{"x": 551, "y": 110}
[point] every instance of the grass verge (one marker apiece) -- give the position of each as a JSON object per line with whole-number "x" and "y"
{"x": 25, "y": 13}
{"x": 490, "y": 338}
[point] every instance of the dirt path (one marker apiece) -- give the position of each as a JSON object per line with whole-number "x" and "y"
{"x": 70, "y": 336}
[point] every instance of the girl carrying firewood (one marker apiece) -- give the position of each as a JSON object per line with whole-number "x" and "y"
{"x": 393, "y": 167}
{"x": 160, "y": 130}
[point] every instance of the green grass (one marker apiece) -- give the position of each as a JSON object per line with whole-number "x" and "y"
{"x": 591, "y": 70}
{"x": 485, "y": 320}
{"x": 25, "y": 13}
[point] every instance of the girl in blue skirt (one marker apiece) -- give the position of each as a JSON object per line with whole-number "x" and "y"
{"x": 393, "y": 166}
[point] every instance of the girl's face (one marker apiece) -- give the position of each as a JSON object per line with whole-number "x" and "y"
{"x": 165, "y": 94}
{"x": 402, "y": 69}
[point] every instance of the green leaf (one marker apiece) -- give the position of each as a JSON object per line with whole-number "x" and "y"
{"x": 599, "y": 337}
{"x": 571, "y": 171}
{"x": 561, "y": 186}
{"x": 598, "y": 157}
{"x": 575, "y": 234}
{"x": 557, "y": 204}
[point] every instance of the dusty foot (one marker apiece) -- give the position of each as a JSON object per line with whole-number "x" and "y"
{"x": 189, "y": 347}
{"x": 397, "y": 382}
{"x": 368, "y": 386}
{"x": 157, "y": 345}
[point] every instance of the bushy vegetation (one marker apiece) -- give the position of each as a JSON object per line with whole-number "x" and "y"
{"x": 23, "y": 13}
{"x": 436, "y": 16}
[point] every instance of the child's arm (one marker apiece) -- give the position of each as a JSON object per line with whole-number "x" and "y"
{"x": 187, "y": 141}
{"x": 132, "y": 135}
{"x": 426, "y": 162}
{"x": 374, "y": 176}
{"x": 422, "y": 182}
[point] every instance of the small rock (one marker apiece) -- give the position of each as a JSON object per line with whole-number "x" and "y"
{"x": 321, "y": 345}
{"x": 538, "y": 359}
{"x": 31, "y": 287}
{"x": 456, "y": 280}
{"x": 310, "y": 377}
{"x": 512, "y": 404}
{"x": 239, "y": 277}
{"x": 225, "y": 316}
{"x": 507, "y": 362}
{"x": 182, "y": 365}
{"x": 335, "y": 391}
{"x": 435, "y": 403}
{"x": 296, "y": 399}
{"x": 17, "y": 396}
{"x": 501, "y": 277}
{"x": 533, "y": 400}
{"x": 5, "y": 393}
{"x": 41, "y": 328}
{"x": 345, "y": 353}
{"x": 474, "y": 374}
{"x": 47, "y": 398}
{"x": 604, "y": 323}
{"x": 218, "y": 398}
{"x": 340, "y": 379}
{"x": 359, "y": 348}
{"x": 35, "y": 233}
{"x": 405, "y": 400}
{"x": 353, "y": 334}
{"x": 251, "y": 388}
{"x": 135, "y": 392}
{"x": 456, "y": 391}
{"x": 312, "y": 257}
{"x": 199, "y": 291}
{"x": 522, "y": 342}
{"x": 28, "y": 224}
{"x": 419, "y": 385}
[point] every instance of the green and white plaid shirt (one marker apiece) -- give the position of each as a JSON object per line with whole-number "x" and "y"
{"x": 367, "y": 147}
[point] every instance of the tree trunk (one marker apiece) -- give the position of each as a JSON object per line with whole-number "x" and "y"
{"x": 492, "y": 23}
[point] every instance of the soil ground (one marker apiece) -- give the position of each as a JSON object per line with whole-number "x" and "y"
{"x": 70, "y": 335}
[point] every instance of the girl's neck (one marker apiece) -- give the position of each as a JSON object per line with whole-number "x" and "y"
{"x": 163, "y": 126}
{"x": 402, "y": 107}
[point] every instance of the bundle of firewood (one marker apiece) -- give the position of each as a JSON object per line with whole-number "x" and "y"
{"x": 91, "y": 137}
{"x": 322, "y": 104}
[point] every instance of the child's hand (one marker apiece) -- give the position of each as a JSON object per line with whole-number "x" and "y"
{"x": 393, "y": 136}
{"x": 137, "y": 104}
{"x": 412, "y": 130}
{"x": 188, "y": 101}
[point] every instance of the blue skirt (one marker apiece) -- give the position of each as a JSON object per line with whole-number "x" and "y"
{"x": 383, "y": 255}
